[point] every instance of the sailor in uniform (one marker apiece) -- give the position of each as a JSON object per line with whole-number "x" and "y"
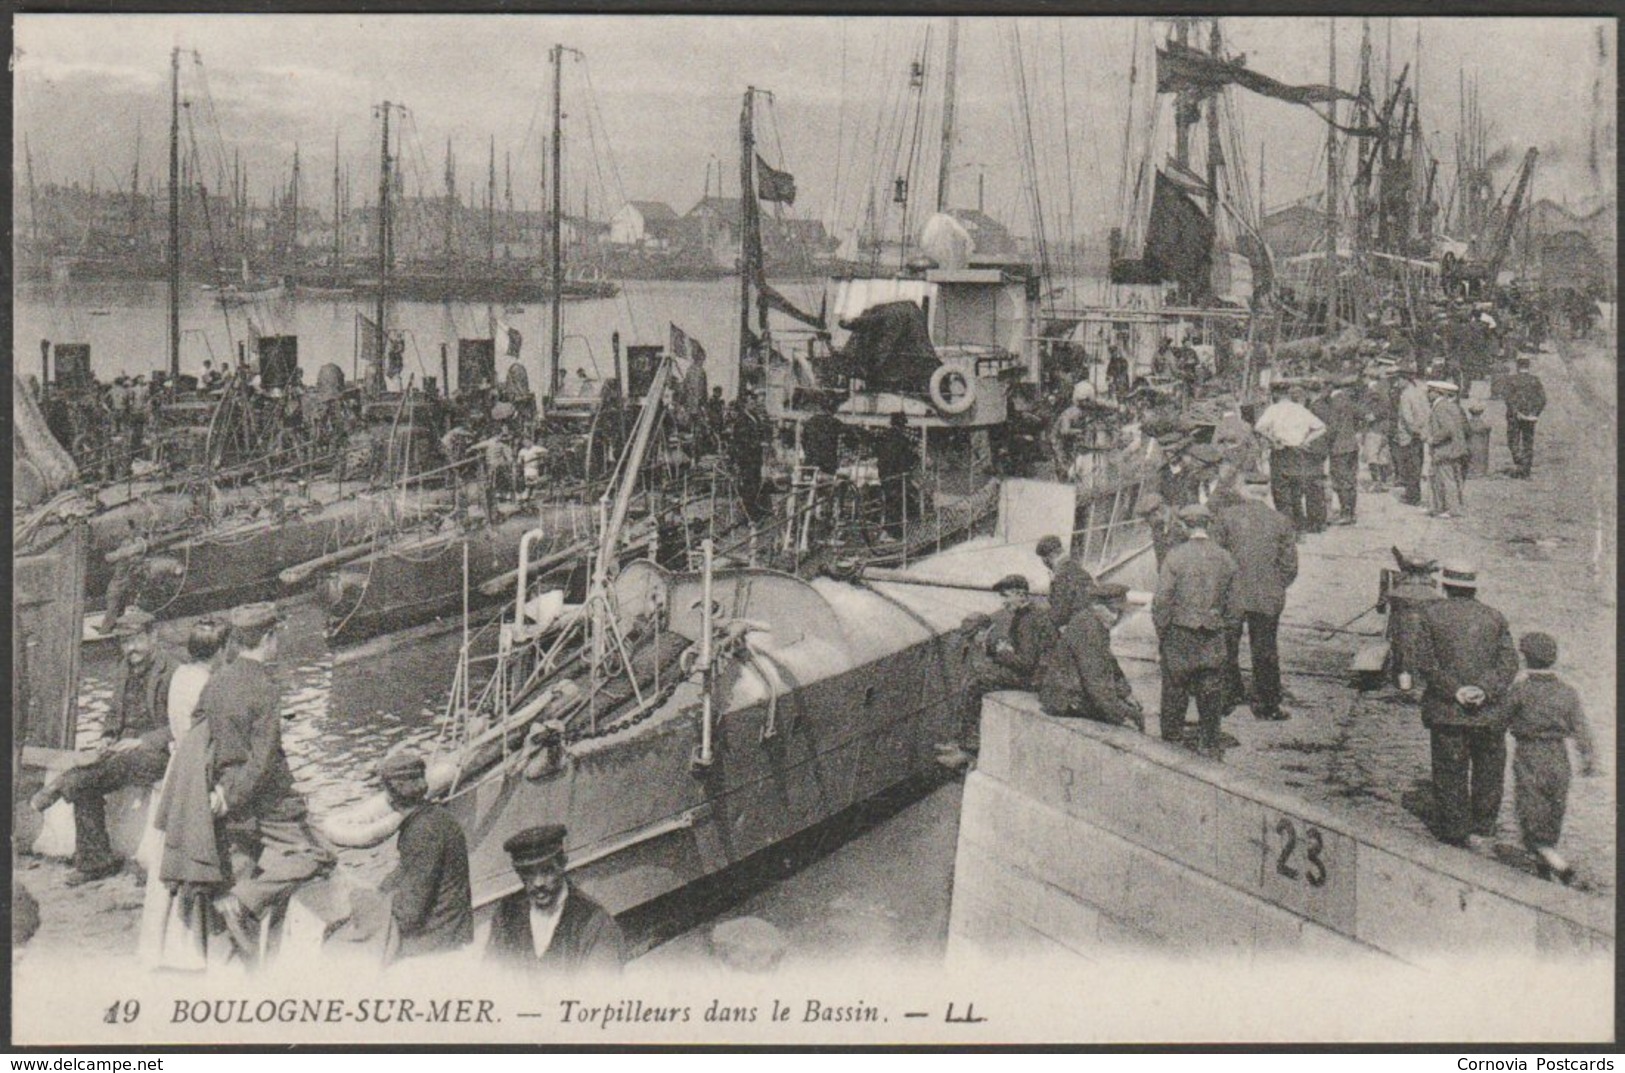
{"x": 549, "y": 926}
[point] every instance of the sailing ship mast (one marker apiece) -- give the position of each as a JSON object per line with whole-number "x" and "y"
{"x": 1331, "y": 180}
{"x": 174, "y": 214}
{"x": 945, "y": 166}
{"x": 337, "y": 215}
{"x": 380, "y": 331}
{"x": 747, "y": 211}
{"x": 293, "y": 235}
{"x": 555, "y": 373}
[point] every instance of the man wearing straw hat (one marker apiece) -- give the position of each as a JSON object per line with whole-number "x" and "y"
{"x": 1465, "y": 657}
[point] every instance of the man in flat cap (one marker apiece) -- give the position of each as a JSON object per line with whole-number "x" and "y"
{"x": 1080, "y": 678}
{"x": 1195, "y": 609}
{"x": 133, "y": 751}
{"x": 433, "y": 905}
{"x": 1345, "y": 418}
{"x": 1525, "y": 400}
{"x": 1264, "y": 545}
{"x": 1004, "y": 653}
{"x": 549, "y": 926}
{"x": 1163, "y": 523}
{"x": 1466, "y": 660}
{"x": 1448, "y": 439}
{"x": 1069, "y": 584}
{"x": 253, "y": 794}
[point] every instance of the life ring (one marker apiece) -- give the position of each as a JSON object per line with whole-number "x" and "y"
{"x": 952, "y": 392}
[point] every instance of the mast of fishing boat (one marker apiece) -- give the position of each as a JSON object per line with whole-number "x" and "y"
{"x": 174, "y": 214}
{"x": 747, "y": 207}
{"x": 556, "y": 348}
{"x": 1182, "y": 119}
{"x": 1215, "y": 154}
{"x": 491, "y": 206}
{"x": 944, "y": 166}
{"x": 1331, "y": 180}
{"x": 380, "y": 331}
{"x": 293, "y": 237}
{"x": 337, "y": 215}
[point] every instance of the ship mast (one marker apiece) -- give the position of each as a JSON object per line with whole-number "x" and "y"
{"x": 380, "y": 332}
{"x": 1331, "y": 180}
{"x": 337, "y": 215}
{"x": 1215, "y": 154}
{"x": 747, "y": 208}
{"x": 945, "y": 166}
{"x": 293, "y": 236}
{"x": 556, "y": 348}
{"x": 174, "y": 215}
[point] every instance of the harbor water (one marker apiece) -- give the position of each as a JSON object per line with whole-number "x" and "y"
{"x": 126, "y": 325}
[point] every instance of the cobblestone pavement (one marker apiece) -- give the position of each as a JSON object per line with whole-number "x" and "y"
{"x": 1545, "y": 552}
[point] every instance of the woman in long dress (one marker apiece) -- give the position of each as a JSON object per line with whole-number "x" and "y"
{"x": 166, "y": 940}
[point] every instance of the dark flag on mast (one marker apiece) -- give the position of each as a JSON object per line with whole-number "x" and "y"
{"x": 774, "y": 185}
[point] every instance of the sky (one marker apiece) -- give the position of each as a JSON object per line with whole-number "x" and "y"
{"x": 653, "y": 102}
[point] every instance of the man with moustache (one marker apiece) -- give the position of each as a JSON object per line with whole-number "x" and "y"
{"x": 548, "y": 926}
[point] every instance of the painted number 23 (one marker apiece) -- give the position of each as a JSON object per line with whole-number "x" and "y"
{"x": 1313, "y": 868}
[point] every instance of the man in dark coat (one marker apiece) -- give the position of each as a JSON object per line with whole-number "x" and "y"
{"x": 896, "y": 459}
{"x": 1194, "y": 610}
{"x": 1264, "y": 545}
{"x": 433, "y": 903}
{"x": 134, "y": 749}
{"x": 266, "y": 819}
{"x": 1080, "y": 677}
{"x": 1005, "y": 652}
{"x": 1344, "y": 420}
{"x": 1525, "y": 400}
{"x": 1070, "y": 584}
{"x": 745, "y": 450}
{"x": 1465, "y": 657}
{"x": 821, "y": 440}
{"x": 549, "y": 926}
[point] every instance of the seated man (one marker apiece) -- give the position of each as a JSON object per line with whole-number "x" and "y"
{"x": 432, "y": 903}
{"x": 1080, "y": 677}
{"x": 1005, "y": 652}
{"x": 134, "y": 749}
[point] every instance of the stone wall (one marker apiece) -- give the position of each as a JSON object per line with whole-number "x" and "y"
{"x": 1082, "y": 839}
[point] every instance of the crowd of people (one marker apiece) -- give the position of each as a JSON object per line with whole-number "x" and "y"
{"x": 1226, "y": 561}
{"x": 231, "y": 839}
